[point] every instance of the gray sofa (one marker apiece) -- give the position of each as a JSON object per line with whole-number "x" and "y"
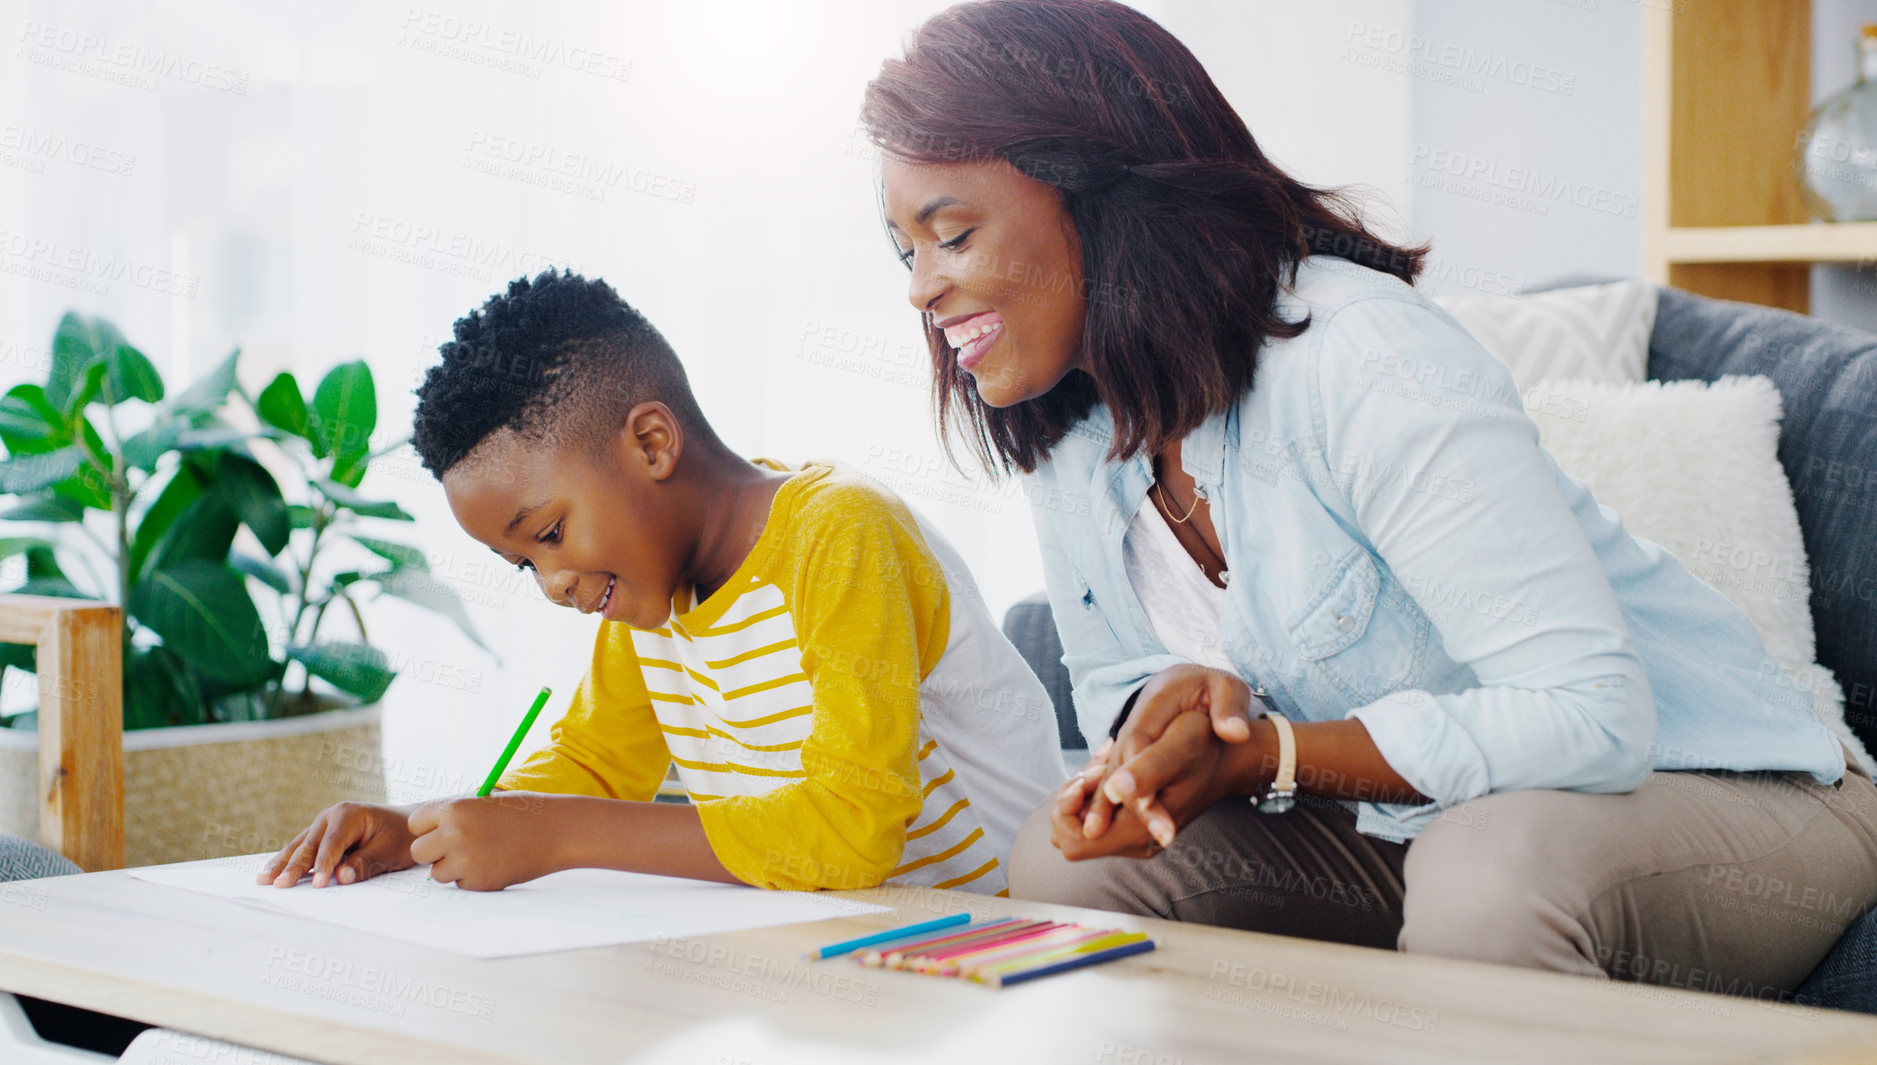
{"x": 1827, "y": 377}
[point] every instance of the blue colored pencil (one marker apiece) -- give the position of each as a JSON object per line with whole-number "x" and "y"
{"x": 1076, "y": 962}
{"x": 834, "y": 949}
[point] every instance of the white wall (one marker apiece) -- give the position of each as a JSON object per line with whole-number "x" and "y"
{"x": 1527, "y": 137}
{"x": 311, "y": 179}
{"x": 1313, "y": 105}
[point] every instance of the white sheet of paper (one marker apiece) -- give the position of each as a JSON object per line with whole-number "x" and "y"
{"x": 561, "y": 911}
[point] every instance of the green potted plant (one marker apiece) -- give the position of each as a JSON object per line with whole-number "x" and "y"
{"x": 238, "y": 724}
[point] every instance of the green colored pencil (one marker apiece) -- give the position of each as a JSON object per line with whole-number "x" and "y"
{"x": 514, "y": 743}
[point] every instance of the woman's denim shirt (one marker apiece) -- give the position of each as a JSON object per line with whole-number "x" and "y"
{"x": 1402, "y": 551}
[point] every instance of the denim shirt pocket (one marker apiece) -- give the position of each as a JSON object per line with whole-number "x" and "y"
{"x": 1352, "y": 603}
{"x": 1338, "y": 614}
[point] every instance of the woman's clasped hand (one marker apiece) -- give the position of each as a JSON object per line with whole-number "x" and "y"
{"x": 1186, "y": 744}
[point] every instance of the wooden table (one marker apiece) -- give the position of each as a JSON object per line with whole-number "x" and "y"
{"x": 108, "y": 942}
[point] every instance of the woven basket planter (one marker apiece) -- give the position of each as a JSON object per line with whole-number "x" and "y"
{"x": 209, "y": 791}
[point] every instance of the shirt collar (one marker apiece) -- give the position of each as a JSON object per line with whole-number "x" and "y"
{"x": 1202, "y": 453}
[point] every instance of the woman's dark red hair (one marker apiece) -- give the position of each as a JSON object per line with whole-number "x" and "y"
{"x": 1187, "y": 230}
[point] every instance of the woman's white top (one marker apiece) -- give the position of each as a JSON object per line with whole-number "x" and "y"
{"x": 1180, "y": 601}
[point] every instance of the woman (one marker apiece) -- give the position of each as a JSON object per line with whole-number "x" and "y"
{"x": 1513, "y": 732}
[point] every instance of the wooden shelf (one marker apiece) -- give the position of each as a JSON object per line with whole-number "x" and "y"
{"x": 1727, "y": 85}
{"x": 1820, "y": 242}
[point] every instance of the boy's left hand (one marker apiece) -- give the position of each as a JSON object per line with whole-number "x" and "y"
{"x": 486, "y": 844}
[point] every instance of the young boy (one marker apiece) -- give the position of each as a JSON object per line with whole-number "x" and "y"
{"x": 818, "y": 664}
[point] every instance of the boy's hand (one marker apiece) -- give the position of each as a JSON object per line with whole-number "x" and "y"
{"x": 347, "y": 842}
{"x": 486, "y": 844}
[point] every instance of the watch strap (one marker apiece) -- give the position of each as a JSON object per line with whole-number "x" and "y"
{"x": 1285, "y": 782}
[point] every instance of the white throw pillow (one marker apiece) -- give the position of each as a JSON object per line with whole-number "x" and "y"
{"x": 1694, "y": 467}
{"x": 1593, "y": 332}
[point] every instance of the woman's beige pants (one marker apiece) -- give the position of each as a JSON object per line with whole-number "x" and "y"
{"x": 1730, "y": 882}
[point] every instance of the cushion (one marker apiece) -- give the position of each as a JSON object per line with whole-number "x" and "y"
{"x": 1029, "y": 625}
{"x": 24, "y": 860}
{"x": 1694, "y": 467}
{"x": 1827, "y": 376}
{"x": 1595, "y": 332}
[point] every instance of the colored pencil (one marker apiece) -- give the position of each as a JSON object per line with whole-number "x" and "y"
{"x": 968, "y": 945}
{"x": 993, "y": 928}
{"x": 1071, "y": 937}
{"x": 1101, "y": 940}
{"x": 843, "y": 947}
{"x": 514, "y": 744}
{"x": 1075, "y": 962}
{"x": 936, "y": 962}
{"x": 877, "y": 955}
{"x": 1033, "y": 941}
{"x": 910, "y": 957}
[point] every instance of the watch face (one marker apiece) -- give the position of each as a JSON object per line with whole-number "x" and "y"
{"x": 1276, "y": 803}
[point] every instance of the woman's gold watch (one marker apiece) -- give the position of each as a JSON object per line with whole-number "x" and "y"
{"x": 1281, "y": 795}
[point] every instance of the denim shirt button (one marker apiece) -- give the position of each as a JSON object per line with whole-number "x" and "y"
{"x": 1225, "y": 576}
{"x": 1345, "y": 622}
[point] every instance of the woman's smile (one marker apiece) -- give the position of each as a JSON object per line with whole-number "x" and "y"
{"x": 972, "y": 337}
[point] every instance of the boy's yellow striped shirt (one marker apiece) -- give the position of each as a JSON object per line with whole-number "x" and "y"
{"x": 820, "y": 706}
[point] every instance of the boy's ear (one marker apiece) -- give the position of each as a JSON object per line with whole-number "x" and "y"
{"x": 653, "y": 439}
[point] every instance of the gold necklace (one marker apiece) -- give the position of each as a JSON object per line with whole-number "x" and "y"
{"x": 1168, "y": 511}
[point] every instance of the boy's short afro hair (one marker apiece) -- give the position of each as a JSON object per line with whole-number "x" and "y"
{"x": 557, "y": 360}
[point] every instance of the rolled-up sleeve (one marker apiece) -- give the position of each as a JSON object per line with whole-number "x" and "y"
{"x": 1426, "y": 436}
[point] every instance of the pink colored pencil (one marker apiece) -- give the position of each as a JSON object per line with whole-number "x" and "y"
{"x": 926, "y": 961}
{"x": 944, "y": 949}
{"x": 1065, "y": 938}
{"x": 997, "y": 928}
